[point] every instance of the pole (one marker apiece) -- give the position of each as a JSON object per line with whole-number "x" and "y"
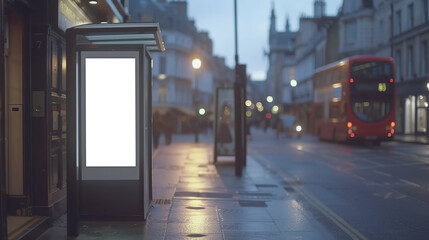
{"x": 197, "y": 122}
{"x": 236, "y": 34}
{"x": 3, "y": 209}
{"x": 239, "y": 111}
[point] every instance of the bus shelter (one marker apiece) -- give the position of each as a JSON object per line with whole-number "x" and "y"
{"x": 109, "y": 152}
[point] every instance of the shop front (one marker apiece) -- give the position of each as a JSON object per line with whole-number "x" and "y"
{"x": 412, "y": 107}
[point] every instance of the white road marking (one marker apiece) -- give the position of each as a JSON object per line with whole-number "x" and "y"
{"x": 337, "y": 220}
{"x": 409, "y": 182}
{"x": 382, "y": 173}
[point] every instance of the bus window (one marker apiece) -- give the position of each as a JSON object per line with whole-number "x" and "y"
{"x": 334, "y": 110}
{"x": 371, "y": 111}
{"x": 319, "y": 112}
{"x": 335, "y": 78}
{"x": 368, "y": 70}
{"x": 371, "y": 94}
{"x": 343, "y": 110}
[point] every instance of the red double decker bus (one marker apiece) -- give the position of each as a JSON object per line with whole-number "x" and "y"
{"x": 354, "y": 99}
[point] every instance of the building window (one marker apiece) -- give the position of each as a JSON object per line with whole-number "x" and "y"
{"x": 352, "y": 5}
{"x": 410, "y": 61}
{"x": 381, "y": 32}
{"x": 398, "y": 65}
{"x": 425, "y": 16}
{"x": 351, "y": 32}
{"x": 398, "y": 21}
{"x": 410, "y": 16}
{"x": 424, "y": 58}
{"x": 162, "y": 65}
{"x": 162, "y": 94}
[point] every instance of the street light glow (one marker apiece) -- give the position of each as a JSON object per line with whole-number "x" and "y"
{"x": 270, "y": 99}
{"x": 248, "y": 103}
{"x": 275, "y": 109}
{"x": 202, "y": 111}
{"x": 196, "y": 63}
{"x": 258, "y": 104}
{"x": 293, "y": 83}
{"x": 162, "y": 76}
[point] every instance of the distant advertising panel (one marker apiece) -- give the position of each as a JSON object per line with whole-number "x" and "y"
{"x": 225, "y": 122}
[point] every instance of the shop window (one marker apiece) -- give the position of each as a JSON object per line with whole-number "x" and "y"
{"x": 410, "y": 113}
{"x": 422, "y": 113}
{"x": 421, "y": 101}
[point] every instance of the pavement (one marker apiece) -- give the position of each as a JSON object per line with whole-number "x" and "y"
{"x": 411, "y": 138}
{"x": 196, "y": 199}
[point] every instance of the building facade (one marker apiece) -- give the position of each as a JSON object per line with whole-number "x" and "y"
{"x": 296, "y": 55}
{"x": 177, "y": 86}
{"x": 410, "y": 28}
{"x": 386, "y": 28}
{"x": 281, "y": 58}
{"x": 356, "y": 34}
{"x": 33, "y": 99}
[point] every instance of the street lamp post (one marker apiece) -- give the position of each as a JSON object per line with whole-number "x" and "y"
{"x": 196, "y": 64}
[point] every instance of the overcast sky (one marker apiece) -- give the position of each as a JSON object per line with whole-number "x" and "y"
{"x": 217, "y": 18}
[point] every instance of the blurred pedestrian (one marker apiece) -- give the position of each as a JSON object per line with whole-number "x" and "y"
{"x": 225, "y": 133}
{"x": 248, "y": 124}
{"x": 157, "y": 128}
{"x": 264, "y": 124}
{"x": 279, "y": 127}
{"x": 169, "y": 126}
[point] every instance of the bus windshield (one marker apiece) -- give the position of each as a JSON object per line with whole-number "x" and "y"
{"x": 371, "y": 91}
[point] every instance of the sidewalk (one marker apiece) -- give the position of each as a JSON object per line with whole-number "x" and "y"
{"x": 408, "y": 138}
{"x": 194, "y": 199}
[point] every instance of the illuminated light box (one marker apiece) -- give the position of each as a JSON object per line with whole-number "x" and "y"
{"x": 109, "y": 108}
